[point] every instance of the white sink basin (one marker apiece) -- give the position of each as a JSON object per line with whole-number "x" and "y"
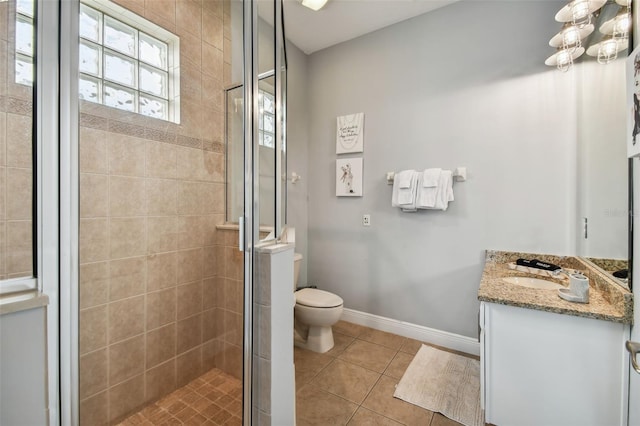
{"x": 533, "y": 283}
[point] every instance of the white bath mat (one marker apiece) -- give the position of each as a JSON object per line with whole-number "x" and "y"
{"x": 443, "y": 382}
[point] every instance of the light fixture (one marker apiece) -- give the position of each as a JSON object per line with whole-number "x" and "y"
{"x": 563, "y": 58}
{"x": 570, "y": 36}
{"x": 314, "y": 4}
{"x": 607, "y": 50}
{"x": 579, "y": 12}
{"x": 618, "y": 26}
{"x": 577, "y": 17}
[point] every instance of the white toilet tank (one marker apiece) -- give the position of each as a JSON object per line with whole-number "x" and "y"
{"x": 297, "y": 261}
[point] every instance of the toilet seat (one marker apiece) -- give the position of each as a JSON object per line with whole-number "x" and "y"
{"x": 314, "y": 298}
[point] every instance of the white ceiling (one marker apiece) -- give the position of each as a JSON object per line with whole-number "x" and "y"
{"x": 342, "y": 20}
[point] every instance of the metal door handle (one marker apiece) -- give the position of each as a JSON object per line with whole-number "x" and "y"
{"x": 634, "y": 348}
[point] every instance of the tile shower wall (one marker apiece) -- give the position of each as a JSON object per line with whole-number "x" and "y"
{"x": 16, "y": 108}
{"x": 160, "y": 289}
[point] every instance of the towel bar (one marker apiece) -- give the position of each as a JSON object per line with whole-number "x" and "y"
{"x": 459, "y": 175}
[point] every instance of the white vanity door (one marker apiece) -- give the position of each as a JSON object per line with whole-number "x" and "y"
{"x": 634, "y": 378}
{"x": 549, "y": 369}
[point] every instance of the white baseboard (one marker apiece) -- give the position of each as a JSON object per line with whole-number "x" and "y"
{"x": 424, "y": 334}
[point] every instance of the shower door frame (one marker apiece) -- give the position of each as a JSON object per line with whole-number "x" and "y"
{"x": 68, "y": 370}
{"x": 64, "y": 332}
{"x": 249, "y": 224}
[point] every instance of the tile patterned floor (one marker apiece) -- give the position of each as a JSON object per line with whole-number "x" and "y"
{"x": 215, "y": 398}
{"x": 353, "y": 383}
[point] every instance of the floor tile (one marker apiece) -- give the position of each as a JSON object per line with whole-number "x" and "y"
{"x": 308, "y": 364}
{"x": 368, "y": 355}
{"x": 330, "y": 386}
{"x": 440, "y": 420}
{"x": 188, "y": 406}
{"x": 364, "y": 417}
{"x": 315, "y": 406}
{"x": 411, "y": 346}
{"x": 340, "y": 343}
{"x": 346, "y": 380}
{"x": 398, "y": 365}
{"x": 348, "y": 328}
{"x": 391, "y": 341}
{"x": 381, "y": 401}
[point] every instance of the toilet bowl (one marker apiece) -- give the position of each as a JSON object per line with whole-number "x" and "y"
{"x": 315, "y": 312}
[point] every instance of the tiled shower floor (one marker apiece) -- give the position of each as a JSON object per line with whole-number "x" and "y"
{"x": 215, "y": 398}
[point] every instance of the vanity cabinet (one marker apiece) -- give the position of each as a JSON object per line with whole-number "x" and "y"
{"x": 544, "y": 368}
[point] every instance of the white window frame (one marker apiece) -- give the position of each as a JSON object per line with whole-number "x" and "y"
{"x": 113, "y": 10}
{"x": 20, "y": 55}
{"x": 152, "y": 30}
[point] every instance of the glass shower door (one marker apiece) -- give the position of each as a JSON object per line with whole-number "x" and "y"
{"x": 263, "y": 216}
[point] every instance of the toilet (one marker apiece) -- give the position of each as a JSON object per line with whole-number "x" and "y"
{"x": 315, "y": 312}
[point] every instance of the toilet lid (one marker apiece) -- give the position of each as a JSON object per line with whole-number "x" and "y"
{"x": 315, "y": 298}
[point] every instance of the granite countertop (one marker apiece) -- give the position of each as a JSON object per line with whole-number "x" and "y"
{"x": 608, "y": 301}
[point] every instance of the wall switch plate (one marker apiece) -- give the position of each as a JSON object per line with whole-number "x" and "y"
{"x": 366, "y": 220}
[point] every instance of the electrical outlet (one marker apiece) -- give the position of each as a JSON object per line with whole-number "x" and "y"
{"x": 366, "y": 220}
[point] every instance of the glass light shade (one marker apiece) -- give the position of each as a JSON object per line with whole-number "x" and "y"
{"x": 314, "y": 4}
{"x": 571, "y": 36}
{"x": 618, "y": 26}
{"x": 623, "y": 23}
{"x": 603, "y": 50}
{"x": 579, "y": 11}
{"x": 608, "y": 51}
{"x": 564, "y": 60}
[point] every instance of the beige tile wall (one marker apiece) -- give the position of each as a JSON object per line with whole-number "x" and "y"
{"x": 160, "y": 287}
{"x": 16, "y": 106}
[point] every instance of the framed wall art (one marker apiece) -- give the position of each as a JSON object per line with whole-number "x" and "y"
{"x": 633, "y": 103}
{"x": 349, "y": 177}
{"x": 350, "y": 133}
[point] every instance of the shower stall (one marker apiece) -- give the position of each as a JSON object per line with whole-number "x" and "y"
{"x": 130, "y": 224}
{"x": 180, "y": 149}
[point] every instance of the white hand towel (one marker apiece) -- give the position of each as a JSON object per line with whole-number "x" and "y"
{"x": 416, "y": 184}
{"x": 430, "y": 177}
{"x": 407, "y": 196}
{"x": 405, "y": 178}
{"x": 402, "y": 192}
{"x": 428, "y": 191}
{"x": 445, "y": 190}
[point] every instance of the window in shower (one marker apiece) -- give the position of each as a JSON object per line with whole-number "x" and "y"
{"x": 125, "y": 61}
{"x": 266, "y": 119}
{"x": 18, "y": 153}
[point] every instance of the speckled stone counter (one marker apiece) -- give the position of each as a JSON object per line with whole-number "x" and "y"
{"x": 608, "y": 301}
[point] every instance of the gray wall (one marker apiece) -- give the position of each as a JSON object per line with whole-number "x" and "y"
{"x": 462, "y": 86}
{"x": 602, "y": 166}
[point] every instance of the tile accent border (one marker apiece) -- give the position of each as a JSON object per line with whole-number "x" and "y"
{"x": 414, "y": 331}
